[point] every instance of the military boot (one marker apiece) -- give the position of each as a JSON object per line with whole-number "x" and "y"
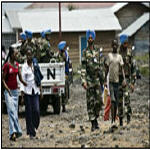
{"x": 93, "y": 125}
{"x": 96, "y": 124}
{"x": 121, "y": 121}
{"x": 63, "y": 108}
{"x": 128, "y": 119}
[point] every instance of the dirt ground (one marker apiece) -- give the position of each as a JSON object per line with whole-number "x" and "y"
{"x": 73, "y": 130}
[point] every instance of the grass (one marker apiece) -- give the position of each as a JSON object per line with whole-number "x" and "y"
{"x": 143, "y": 63}
{"x": 145, "y": 71}
{"x": 144, "y": 59}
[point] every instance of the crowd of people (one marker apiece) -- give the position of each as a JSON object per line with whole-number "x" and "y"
{"x": 118, "y": 69}
{"x": 122, "y": 76}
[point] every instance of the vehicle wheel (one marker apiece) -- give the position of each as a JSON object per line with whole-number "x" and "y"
{"x": 56, "y": 105}
{"x": 43, "y": 105}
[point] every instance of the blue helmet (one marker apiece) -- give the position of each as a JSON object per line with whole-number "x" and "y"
{"x": 90, "y": 32}
{"x": 23, "y": 36}
{"x": 42, "y": 34}
{"x": 47, "y": 31}
{"x": 61, "y": 45}
{"x": 123, "y": 38}
{"x": 28, "y": 34}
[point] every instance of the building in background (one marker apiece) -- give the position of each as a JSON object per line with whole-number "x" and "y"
{"x": 70, "y": 6}
{"x": 74, "y": 25}
{"x": 109, "y": 20}
{"x": 134, "y": 19}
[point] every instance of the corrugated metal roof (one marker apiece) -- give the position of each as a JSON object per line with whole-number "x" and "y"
{"x": 80, "y": 5}
{"x": 6, "y": 28}
{"x": 130, "y": 30}
{"x": 76, "y": 20}
{"x": 118, "y": 6}
{"x": 13, "y": 18}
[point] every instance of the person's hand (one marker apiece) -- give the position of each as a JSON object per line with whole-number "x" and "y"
{"x": 24, "y": 83}
{"x": 85, "y": 85}
{"x": 132, "y": 88}
{"x": 105, "y": 84}
{"x": 8, "y": 90}
{"x": 41, "y": 95}
{"x": 124, "y": 84}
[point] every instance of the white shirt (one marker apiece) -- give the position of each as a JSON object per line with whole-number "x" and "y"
{"x": 28, "y": 77}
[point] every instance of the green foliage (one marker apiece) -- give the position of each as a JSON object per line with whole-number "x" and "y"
{"x": 144, "y": 70}
{"x": 143, "y": 63}
{"x": 144, "y": 59}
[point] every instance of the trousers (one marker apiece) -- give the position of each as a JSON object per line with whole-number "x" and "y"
{"x": 12, "y": 110}
{"x": 32, "y": 112}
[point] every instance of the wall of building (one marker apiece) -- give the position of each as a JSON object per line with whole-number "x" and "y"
{"x": 8, "y": 39}
{"x": 131, "y": 12}
{"x": 141, "y": 38}
{"x": 103, "y": 39}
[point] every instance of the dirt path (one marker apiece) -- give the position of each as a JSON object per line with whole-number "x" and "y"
{"x": 72, "y": 129}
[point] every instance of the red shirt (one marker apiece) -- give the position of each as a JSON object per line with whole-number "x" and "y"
{"x": 11, "y": 75}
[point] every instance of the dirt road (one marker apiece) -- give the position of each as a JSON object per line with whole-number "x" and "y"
{"x": 73, "y": 130}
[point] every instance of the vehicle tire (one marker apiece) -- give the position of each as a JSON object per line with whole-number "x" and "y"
{"x": 43, "y": 105}
{"x": 56, "y": 105}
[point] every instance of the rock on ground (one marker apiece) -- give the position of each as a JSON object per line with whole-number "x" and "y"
{"x": 73, "y": 130}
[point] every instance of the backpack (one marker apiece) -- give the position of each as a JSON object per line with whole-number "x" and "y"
{"x": 37, "y": 73}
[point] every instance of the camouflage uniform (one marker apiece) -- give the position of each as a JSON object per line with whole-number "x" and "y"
{"x": 33, "y": 45}
{"x": 130, "y": 74}
{"x": 22, "y": 54}
{"x": 92, "y": 74}
{"x": 45, "y": 50}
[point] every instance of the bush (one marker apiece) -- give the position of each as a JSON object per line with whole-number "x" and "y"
{"x": 144, "y": 71}
{"x": 143, "y": 63}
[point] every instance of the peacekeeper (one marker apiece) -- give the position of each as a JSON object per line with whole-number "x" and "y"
{"x": 64, "y": 57}
{"x": 31, "y": 43}
{"x": 92, "y": 78}
{"x": 22, "y": 50}
{"x": 45, "y": 47}
{"x": 130, "y": 77}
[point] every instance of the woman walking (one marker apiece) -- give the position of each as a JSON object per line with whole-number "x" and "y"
{"x": 31, "y": 96}
{"x": 9, "y": 79}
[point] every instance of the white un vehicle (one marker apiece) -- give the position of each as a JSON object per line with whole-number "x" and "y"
{"x": 53, "y": 85}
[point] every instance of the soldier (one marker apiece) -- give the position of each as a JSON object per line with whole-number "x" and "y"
{"x": 113, "y": 63}
{"x": 92, "y": 76}
{"x": 22, "y": 51}
{"x": 130, "y": 76}
{"x": 63, "y": 57}
{"x": 31, "y": 43}
{"x": 45, "y": 47}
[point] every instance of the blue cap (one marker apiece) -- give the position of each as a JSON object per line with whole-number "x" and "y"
{"x": 123, "y": 38}
{"x": 61, "y": 45}
{"x": 42, "y": 34}
{"x": 90, "y": 32}
{"x": 28, "y": 34}
{"x": 47, "y": 31}
{"x": 23, "y": 36}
